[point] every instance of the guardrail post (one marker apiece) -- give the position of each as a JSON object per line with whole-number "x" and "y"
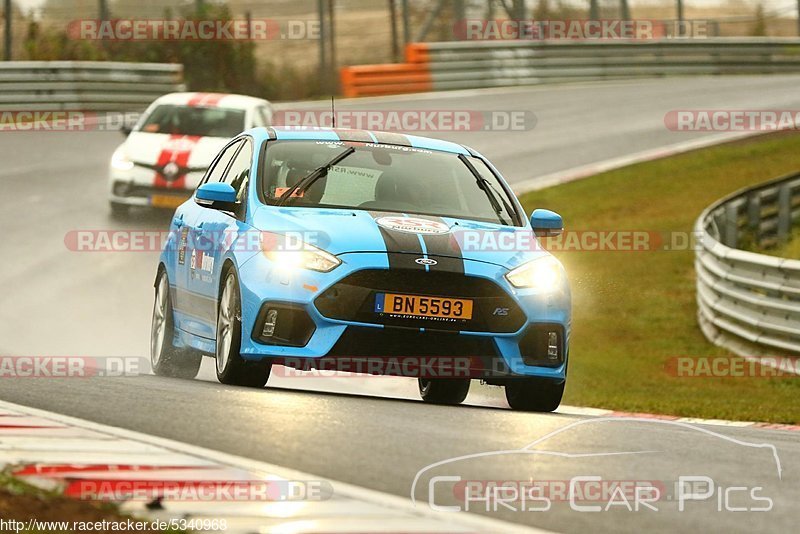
{"x": 731, "y": 229}
{"x": 521, "y": 10}
{"x": 754, "y": 216}
{"x": 406, "y": 22}
{"x": 784, "y": 212}
{"x": 624, "y": 10}
{"x": 7, "y": 36}
{"x": 594, "y": 10}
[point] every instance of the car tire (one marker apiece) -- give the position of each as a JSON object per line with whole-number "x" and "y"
{"x": 165, "y": 358}
{"x": 534, "y": 394}
{"x": 119, "y": 210}
{"x": 444, "y": 390}
{"x": 231, "y": 368}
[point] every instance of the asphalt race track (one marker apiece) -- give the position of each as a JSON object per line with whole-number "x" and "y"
{"x": 373, "y": 432}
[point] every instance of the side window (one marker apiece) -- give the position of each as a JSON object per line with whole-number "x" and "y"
{"x": 215, "y": 173}
{"x": 239, "y": 173}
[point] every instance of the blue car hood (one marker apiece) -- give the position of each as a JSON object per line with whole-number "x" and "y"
{"x": 341, "y": 231}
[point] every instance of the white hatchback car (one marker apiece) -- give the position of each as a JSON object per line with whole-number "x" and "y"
{"x": 168, "y": 151}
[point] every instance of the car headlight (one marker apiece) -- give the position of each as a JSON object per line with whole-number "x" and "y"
{"x": 545, "y": 274}
{"x": 292, "y": 254}
{"x": 120, "y": 161}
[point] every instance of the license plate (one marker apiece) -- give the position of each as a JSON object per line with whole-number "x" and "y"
{"x": 166, "y": 201}
{"x": 423, "y": 307}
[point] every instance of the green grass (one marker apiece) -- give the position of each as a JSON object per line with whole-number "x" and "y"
{"x": 634, "y": 311}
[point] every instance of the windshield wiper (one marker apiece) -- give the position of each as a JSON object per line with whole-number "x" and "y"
{"x": 487, "y": 188}
{"x": 308, "y": 180}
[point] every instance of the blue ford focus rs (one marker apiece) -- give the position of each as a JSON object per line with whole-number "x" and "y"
{"x": 361, "y": 251}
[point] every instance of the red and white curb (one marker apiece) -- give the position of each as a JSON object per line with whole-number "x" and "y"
{"x": 55, "y": 451}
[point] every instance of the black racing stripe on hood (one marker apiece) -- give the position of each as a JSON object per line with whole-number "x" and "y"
{"x": 445, "y": 248}
{"x": 386, "y": 138}
{"x": 358, "y": 136}
{"x": 401, "y": 247}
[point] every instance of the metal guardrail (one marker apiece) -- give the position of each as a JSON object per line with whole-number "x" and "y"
{"x": 479, "y": 64}
{"x": 85, "y": 85}
{"x": 750, "y": 303}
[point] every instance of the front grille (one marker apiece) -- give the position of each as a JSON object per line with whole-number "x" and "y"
{"x": 353, "y": 299}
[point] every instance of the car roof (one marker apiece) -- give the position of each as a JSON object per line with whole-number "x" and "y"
{"x": 224, "y": 100}
{"x": 365, "y": 136}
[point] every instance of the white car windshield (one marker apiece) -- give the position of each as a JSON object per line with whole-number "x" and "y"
{"x": 194, "y": 120}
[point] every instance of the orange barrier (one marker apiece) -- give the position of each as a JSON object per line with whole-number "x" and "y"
{"x": 392, "y": 78}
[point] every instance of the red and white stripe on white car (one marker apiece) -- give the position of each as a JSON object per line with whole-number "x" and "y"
{"x": 161, "y": 169}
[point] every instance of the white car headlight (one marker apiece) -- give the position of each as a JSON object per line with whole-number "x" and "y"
{"x": 120, "y": 161}
{"x": 545, "y": 274}
{"x": 291, "y": 254}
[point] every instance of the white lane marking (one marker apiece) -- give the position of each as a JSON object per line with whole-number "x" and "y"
{"x": 45, "y": 443}
{"x": 391, "y": 502}
{"x": 600, "y": 412}
{"x": 580, "y": 410}
{"x": 67, "y": 456}
{"x": 716, "y": 422}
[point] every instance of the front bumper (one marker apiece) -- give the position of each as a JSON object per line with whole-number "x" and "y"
{"x": 326, "y": 318}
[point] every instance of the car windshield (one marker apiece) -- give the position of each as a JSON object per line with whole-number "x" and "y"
{"x": 388, "y": 178}
{"x": 194, "y": 120}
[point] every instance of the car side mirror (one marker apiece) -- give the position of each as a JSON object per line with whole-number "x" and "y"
{"x": 217, "y": 196}
{"x": 125, "y": 130}
{"x": 546, "y": 223}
